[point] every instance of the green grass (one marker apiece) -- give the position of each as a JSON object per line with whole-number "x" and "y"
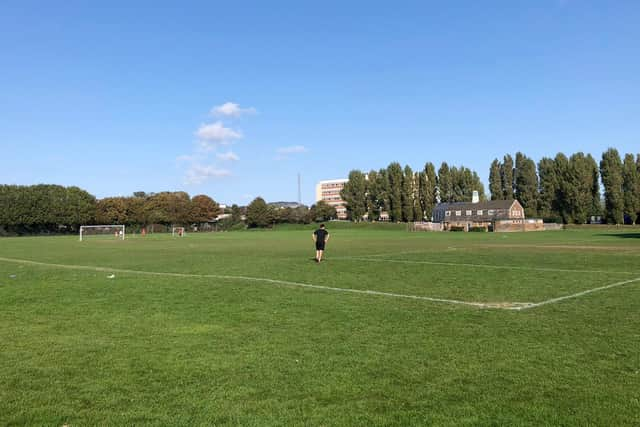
{"x": 79, "y": 348}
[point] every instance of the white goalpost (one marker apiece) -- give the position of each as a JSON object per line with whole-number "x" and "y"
{"x": 177, "y": 231}
{"x": 115, "y": 231}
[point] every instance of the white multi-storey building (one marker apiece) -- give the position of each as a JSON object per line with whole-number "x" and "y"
{"x": 329, "y": 192}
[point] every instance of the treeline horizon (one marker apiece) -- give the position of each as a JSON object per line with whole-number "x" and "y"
{"x": 560, "y": 189}
{"x": 50, "y": 208}
{"x": 55, "y": 209}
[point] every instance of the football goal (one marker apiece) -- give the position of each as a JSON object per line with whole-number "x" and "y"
{"x": 114, "y": 231}
{"x": 177, "y": 232}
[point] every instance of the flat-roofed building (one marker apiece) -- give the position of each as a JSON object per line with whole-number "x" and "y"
{"x": 329, "y": 192}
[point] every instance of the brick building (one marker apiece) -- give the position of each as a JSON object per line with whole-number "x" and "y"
{"x": 494, "y": 215}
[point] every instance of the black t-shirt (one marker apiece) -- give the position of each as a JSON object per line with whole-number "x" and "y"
{"x": 321, "y": 235}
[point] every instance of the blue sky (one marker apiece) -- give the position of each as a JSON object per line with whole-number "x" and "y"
{"x": 234, "y": 99}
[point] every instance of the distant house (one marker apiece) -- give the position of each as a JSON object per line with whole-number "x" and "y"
{"x": 494, "y": 215}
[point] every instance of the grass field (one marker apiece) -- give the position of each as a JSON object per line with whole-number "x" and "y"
{"x": 395, "y": 328}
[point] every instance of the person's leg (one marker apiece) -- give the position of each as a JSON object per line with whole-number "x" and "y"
{"x": 320, "y": 252}
{"x": 317, "y": 255}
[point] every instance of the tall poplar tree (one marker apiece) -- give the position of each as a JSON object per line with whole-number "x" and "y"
{"x": 578, "y": 191}
{"x": 418, "y": 213}
{"x": 372, "y": 193}
{"x": 445, "y": 183}
{"x": 506, "y": 174}
{"x": 548, "y": 189}
{"x": 353, "y": 194}
{"x": 596, "y": 205}
{"x": 395, "y": 175}
{"x": 431, "y": 189}
{"x": 526, "y": 184}
{"x": 562, "y": 202}
{"x": 495, "y": 181}
{"x": 383, "y": 188}
{"x": 423, "y": 193}
{"x": 630, "y": 185}
{"x": 611, "y": 172}
{"x": 407, "y": 194}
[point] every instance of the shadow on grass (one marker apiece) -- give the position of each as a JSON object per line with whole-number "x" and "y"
{"x": 623, "y": 235}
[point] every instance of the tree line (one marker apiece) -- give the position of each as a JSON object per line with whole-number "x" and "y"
{"x": 407, "y": 195}
{"x": 567, "y": 189}
{"x": 48, "y": 208}
{"x": 259, "y": 213}
{"x": 560, "y": 189}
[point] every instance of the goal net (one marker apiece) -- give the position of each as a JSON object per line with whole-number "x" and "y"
{"x": 177, "y": 232}
{"x": 113, "y": 231}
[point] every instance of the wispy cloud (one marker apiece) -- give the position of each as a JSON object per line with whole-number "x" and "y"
{"x": 197, "y": 174}
{"x": 231, "y": 109}
{"x": 212, "y": 134}
{"x": 228, "y": 156}
{"x": 293, "y": 149}
{"x": 206, "y": 161}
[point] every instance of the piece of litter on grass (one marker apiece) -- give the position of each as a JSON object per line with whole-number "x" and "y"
{"x": 111, "y": 277}
{"x": 13, "y": 276}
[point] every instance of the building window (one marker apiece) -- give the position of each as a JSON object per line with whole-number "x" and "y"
{"x": 490, "y": 212}
{"x": 480, "y": 212}
{"x": 469, "y": 213}
{"x": 447, "y": 213}
{"x": 458, "y": 213}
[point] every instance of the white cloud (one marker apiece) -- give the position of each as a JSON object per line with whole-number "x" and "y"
{"x": 228, "y": 156}
{"x": 231, "y": 109}
{"x": 197, "y": 174}
{"x": 216, "y": 133}
{"x": 292, "y": 149}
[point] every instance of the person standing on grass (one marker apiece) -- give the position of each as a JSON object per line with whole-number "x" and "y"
{"x": 321, "y": 237}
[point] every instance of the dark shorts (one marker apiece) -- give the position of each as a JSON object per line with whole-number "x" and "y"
{"x": 319, "y": 246}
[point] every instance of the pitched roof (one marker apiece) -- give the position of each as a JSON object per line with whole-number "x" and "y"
{"x": 489, "y": 204}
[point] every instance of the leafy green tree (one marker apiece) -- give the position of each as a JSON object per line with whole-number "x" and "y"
{"x": 612, "y": 180}
{"x": 526, "y": 184}
{"x": 236, "y": 214}
{"x": 259, "y": 214}
{"x": 354, "y": 194}
{"x": 322, "y": 211}
{"x": 506, "y": 174}
{"x": 495, "y": 181}
{"x": 204, "y": 208}
{"x": 630, "y": 186}
{"x": 112, "y": 210}
{"x": 80, "y": 207}
{"x": 395, "y": 175}
{"x": 407, "y": 194}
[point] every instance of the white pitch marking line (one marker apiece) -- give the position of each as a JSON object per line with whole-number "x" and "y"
{"x": 509, "y": 306}
{"x": 462, "y": 264}
{"x": 577, "y": 294}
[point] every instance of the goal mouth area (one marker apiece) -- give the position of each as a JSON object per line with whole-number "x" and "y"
{"x": 116, "y": 231}
{"x": 178, "y": 232}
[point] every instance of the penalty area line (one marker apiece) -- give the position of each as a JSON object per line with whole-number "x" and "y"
{"x": 504, "y": 306}
{"x": 577, "y": 294}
